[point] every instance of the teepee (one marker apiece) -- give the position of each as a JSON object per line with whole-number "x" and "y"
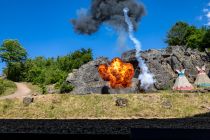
{"x": 202, "y": 79}
{"x": 181, "y": 82}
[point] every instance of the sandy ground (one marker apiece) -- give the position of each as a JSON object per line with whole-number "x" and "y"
{"x": 22, "y": 91}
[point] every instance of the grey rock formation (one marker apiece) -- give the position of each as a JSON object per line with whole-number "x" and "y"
{"x": 86, "y": 80}
{"x": 163, "y": 63}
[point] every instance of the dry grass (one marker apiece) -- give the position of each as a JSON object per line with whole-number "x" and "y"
{"x": 103, "y": 106}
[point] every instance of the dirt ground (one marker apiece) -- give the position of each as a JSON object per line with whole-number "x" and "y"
{"x": 22, "y": 91}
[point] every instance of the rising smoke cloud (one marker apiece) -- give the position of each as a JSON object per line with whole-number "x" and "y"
{"x": 145, "y": 77}
{"x": 110, "y": 12}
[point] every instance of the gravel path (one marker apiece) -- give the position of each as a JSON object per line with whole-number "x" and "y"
{"x": 22, "y": 91}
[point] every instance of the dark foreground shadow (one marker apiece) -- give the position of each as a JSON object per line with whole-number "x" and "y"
{"x": 197, "y": 126}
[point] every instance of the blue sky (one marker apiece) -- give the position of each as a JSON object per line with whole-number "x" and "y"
{"x": 43, "y": 26}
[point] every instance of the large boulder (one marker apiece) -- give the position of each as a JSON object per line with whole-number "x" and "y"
{"x": 28, "y": 100}
{"x": 163, "y": 63}
{"x": 86, "y": 80}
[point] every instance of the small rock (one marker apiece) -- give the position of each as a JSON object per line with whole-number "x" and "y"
{"x": 121, "y": 102}
{"x": 34, "y": 94}
{"x": 167, "y": 104}
{"x": 28, "y": 100}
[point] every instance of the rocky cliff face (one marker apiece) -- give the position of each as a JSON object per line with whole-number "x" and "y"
{"x": 162, "y": 63}
{"x": 87, "y": 80}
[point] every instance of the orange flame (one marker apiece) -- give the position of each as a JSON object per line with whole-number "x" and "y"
{"x": 118, "y": 73}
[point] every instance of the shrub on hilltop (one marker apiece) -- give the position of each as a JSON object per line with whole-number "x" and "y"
{"x": 183, "y": 34}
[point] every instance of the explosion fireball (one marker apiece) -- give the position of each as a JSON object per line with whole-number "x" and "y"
{"x": 118, "y": 73}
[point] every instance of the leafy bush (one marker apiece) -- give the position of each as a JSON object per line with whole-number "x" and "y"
{"x": 183, "y": 34}
{"x": 14, "y": 71}
{"x": 42, "y": 71}
{"x": 14, "y": 55}
{"x": 195, "y": 40}
{"x": 54, "y": 76}
{"x": 66, "y": 88}
{"x": 178, "y": 34}
{"x": 12, "y": 51}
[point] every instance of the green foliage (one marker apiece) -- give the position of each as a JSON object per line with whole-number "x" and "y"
{"x": 45, "y": 71}
{"x": 14, "y": 71}
{"x": 14, "y": 55}
{"x": 54, "y": 76}
{"x": 12, "y": 51}
{"x": 44, "y": 88}
{"x": 178, "y": 34}
{"x": 183, "y": 34}
{"x": 74, "y": 60}
{"x": 195, "y": 40}
{"x": 40, "y": 71}
{"x": 54, "y": 71}
{"x": 66, "y": 88}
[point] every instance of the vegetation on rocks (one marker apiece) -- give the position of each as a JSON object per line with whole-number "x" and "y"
{"x": 66, "y": 88}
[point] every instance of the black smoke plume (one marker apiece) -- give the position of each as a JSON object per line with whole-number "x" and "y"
{"x": 110, "y": 12}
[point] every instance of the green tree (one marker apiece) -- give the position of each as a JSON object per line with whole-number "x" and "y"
{"x": 14, "y": 71}
{"x": 195, "y": 40}
{"x": 179, "y": 33}
{"x": 45, "y": 71}
{"x": 14, "y": 55}
{"x": 12, "y": 51}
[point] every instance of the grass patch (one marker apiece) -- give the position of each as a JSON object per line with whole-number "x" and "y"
{"x": 7, "y": 87}
{"x": 34, "y": 88}
{"x": 64, "y": 106}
